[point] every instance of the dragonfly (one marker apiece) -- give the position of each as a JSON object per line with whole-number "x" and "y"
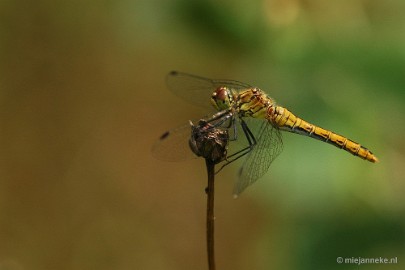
{"x": 249, "y": 115}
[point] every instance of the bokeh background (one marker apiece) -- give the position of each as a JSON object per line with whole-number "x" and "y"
{"x": 83, "y": 99}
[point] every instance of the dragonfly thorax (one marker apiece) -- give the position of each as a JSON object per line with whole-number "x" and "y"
{"x": 222, "y": 98}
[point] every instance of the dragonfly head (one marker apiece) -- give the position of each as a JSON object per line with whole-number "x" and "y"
{"x": 222, "y": 98}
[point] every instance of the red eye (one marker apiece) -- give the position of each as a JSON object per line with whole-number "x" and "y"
{"x": 221, "y": 93}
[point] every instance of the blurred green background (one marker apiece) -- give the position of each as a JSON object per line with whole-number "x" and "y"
{"x": 83, "y": 99}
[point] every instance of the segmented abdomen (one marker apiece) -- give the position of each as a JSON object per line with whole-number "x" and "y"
{"x": 287, "y": 121}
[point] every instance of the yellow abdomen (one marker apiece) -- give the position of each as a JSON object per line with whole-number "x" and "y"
{"x": 286, "y": 120}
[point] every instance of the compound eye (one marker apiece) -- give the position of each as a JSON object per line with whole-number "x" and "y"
{"x": 221, "y": 93}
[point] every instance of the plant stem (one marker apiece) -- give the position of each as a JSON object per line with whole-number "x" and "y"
{"x": 210, "y": 213}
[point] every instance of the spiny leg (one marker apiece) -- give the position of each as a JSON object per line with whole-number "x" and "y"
{"x": 251, "y": 140}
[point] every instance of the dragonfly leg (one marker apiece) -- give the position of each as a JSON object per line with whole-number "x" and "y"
{"x": 220, "y": 118}
{"x": 251, "y": 140}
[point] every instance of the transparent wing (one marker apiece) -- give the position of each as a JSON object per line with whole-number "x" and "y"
{"x": 269, "y": 146}
{"x": 173, "y": 145}
{"x": 198, "y": 90}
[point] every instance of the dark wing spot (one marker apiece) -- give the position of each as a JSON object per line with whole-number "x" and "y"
{"x": 174, "y": 73}
{"x": 164, "y": 135}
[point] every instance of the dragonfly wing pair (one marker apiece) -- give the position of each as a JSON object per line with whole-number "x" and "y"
{"x": 173, "y": 145}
